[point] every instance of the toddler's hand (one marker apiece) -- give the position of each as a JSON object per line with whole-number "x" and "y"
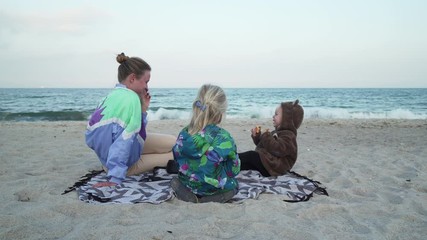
{"x": 256, "y": 131}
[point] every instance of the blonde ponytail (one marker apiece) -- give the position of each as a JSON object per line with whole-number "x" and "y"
{"x": 208, "y": 108}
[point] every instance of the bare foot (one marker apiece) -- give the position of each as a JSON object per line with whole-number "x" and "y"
{"x": 104, "y": 184}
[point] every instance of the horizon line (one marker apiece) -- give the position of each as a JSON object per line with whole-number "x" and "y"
{"x": 221, "y": 87}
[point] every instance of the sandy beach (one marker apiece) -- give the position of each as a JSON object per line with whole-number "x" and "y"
{"x": 374, "y": 170}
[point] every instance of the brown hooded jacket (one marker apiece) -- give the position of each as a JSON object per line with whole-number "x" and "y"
{"x": 278, "y": 149}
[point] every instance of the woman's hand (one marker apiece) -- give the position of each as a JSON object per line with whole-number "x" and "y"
{"x": 145, "y": 100}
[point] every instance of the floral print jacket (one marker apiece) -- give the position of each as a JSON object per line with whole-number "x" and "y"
{"x": 208, "y": 160}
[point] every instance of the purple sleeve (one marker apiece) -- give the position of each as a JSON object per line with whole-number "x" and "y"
{"x": 144, "y": 122}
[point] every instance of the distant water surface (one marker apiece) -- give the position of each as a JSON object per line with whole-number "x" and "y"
{"x": 53, "y": 104}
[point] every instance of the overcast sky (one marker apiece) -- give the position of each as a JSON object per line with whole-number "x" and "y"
{"x": 319, "y": 43}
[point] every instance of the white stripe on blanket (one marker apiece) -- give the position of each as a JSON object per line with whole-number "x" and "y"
{"x": 154, "y": 188}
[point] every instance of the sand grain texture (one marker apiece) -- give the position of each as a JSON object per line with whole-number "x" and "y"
{"x": 374, "y": 170}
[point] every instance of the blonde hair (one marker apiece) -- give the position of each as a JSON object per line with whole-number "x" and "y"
{"x": 129, "y": 65}
{"x": 208, "y": 108}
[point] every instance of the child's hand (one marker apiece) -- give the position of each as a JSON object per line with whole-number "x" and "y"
{"x": 256, "y": 131}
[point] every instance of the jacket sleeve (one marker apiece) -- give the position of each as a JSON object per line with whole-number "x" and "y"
{"x": 233, "y": 161}
{"x": 119, "y": 154}
{"x": 256, "y": 138}
{"x": 225, "y": 152}
{"x": 144, "y": 122}
{"x": 277, "y": 144}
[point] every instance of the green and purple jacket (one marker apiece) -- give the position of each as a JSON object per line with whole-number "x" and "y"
{"x": 116, "y": 131}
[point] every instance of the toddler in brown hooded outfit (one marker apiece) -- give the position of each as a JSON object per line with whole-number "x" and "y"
{"x": 276, "y": 152}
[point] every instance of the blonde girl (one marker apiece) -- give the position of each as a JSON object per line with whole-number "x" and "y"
{"x": 206, "y": 153}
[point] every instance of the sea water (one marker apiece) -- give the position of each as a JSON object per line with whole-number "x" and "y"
{"x": 42, "y": 104}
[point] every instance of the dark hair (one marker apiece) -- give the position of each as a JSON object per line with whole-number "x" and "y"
{"x": 129, "y": 65}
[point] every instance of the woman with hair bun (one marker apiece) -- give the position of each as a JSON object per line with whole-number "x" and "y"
{"x": 116, "y": 130}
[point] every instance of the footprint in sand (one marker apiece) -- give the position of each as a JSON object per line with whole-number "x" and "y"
{"x": 23, "y": 196}
{"x": 26, "y": 195}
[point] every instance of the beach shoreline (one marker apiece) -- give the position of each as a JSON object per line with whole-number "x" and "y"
{"x": 374, "y": 170}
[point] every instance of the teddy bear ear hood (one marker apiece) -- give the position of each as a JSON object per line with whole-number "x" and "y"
{"x": 292, "y": 116}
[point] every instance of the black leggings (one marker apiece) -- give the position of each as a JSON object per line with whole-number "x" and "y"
{"x": 250, "y": 160}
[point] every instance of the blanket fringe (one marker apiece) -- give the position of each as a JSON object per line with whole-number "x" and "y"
{"x": 300, "y": 199}
{"x": 319, "y": 190}
{"x": 83, "y": 180}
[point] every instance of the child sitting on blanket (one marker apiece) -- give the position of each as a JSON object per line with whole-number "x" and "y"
{"x": 276, "y": 151}
{"x": 205, "y": 153}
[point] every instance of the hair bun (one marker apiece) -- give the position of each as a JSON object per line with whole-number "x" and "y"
{"x": 121, "y": 58}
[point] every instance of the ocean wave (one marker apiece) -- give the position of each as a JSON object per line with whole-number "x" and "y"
{"x": 248, "y": 113}
{"x": 313, "y": 113}
{"x": 44, "y": 116}
{"x": 163, "y": 113}
{"x": 78, "y": 104}
{"x": 340, "y": 113}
